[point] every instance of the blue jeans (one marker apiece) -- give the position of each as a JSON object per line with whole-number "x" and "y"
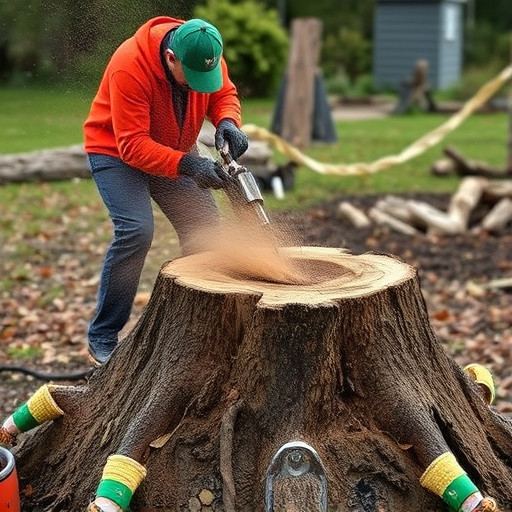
{"x": 127, "y": 194}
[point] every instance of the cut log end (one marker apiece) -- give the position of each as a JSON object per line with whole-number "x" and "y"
{"x": 303, "y": 275}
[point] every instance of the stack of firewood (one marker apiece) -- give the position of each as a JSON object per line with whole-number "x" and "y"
{"x": 414, "y": 217}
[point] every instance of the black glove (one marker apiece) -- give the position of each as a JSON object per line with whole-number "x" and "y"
{"x": 227, "y": 131}
{"x": 206, "y": 173}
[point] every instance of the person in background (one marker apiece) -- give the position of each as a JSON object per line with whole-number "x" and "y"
{"x": 140, "y": 138}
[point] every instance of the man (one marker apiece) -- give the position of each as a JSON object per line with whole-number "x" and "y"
{"x": 140, "y": 136}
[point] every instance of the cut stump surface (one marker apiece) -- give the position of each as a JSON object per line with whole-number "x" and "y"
{"x": 323, "y": 275}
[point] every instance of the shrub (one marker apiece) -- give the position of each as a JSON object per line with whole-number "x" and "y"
{"x": 348, "y": 51}
{"x": 472, "y": 79}
{"x": 484, "y": 44}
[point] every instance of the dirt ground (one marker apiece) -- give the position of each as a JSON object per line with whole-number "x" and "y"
{"x": 473, "y": 323}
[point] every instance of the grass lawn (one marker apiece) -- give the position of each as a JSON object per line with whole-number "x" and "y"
{"x": 42, "y": 118}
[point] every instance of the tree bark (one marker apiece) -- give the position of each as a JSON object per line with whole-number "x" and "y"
{"x": 225, "y": 366}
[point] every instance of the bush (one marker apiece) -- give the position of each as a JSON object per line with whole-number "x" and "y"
{"x": 362, "y": 87}
{"x": 472, "y": 79}
{"x": 347, "y": 51}
{"x": 255, "y": 45}
{"x": 484, "y": 44}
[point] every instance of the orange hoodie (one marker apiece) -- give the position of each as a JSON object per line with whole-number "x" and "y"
{"x": 132, "y": 115}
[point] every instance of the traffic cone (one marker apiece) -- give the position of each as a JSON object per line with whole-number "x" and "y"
{"x": 9, "y": 491}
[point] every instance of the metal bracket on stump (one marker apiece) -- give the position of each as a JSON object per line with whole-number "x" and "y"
{"x": 296, "y": 480}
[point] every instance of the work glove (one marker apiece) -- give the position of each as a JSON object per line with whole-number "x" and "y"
{"x": 205, "y": 172}
{"x": 227, "y": 131}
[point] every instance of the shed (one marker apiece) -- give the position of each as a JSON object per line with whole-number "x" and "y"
{"x": 406, "y": 31}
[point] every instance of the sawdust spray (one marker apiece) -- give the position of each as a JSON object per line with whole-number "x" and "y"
{"x": 247, "y": 250}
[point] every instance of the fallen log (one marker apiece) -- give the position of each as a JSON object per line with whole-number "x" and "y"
{"x": 383, "y": 219}
{"x": 343, "y": 359}
{"x": 495, "y": 190}
{"x": 417, "y": 217}
{"x": 465, "y": 200}
{"x": 45, "y": 165}
{"x": 499, "y": 216}
{"x": 437, "y": 221}
{"x": 413, "y": 217}
{"x": 466, "y": 167}
{"x": 443, "y": 167}
{"x": 396, "y": 207}
{"x": 70, "y": 162}
{"x": 504, "y": 283}
{"x": 355, "y": 216}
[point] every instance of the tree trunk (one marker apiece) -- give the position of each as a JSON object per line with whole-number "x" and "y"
{"x": 225, "y": 366}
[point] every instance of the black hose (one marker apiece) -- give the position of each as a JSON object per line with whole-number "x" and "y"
{"x": 47, "y": 376}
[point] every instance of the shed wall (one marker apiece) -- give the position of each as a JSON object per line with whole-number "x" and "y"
{"x": 405, "y": 32}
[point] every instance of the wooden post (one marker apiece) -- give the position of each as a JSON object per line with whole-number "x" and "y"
{"x": 300, "y": 91}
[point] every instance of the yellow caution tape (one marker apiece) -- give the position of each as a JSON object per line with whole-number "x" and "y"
{"x": 482, "y": 376}
{"x": 441, "y": 473}
{"x": 417, "y": 148}
{"x": 42, "y": 406}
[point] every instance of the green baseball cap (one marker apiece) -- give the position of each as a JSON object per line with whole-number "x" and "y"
{"x": 198, "y": 46}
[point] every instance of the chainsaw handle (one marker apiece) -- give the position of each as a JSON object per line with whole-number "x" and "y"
{"x": 225, "y": 153}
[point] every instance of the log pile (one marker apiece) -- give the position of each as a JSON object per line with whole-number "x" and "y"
{"x": 412, "y": 217}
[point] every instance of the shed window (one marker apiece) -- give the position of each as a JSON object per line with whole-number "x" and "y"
{"x": 451, "y": 22}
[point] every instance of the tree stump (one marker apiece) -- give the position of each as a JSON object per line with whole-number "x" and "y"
{"x": 416, "y": 90}
{"x": 225, "y": 366}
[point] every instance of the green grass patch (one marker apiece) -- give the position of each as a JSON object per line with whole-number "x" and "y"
{"x": 481, "y": 137}
{"x": 25, "y": 353}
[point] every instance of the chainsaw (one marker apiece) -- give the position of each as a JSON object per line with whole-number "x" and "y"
{"x": 243, "y": 191}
